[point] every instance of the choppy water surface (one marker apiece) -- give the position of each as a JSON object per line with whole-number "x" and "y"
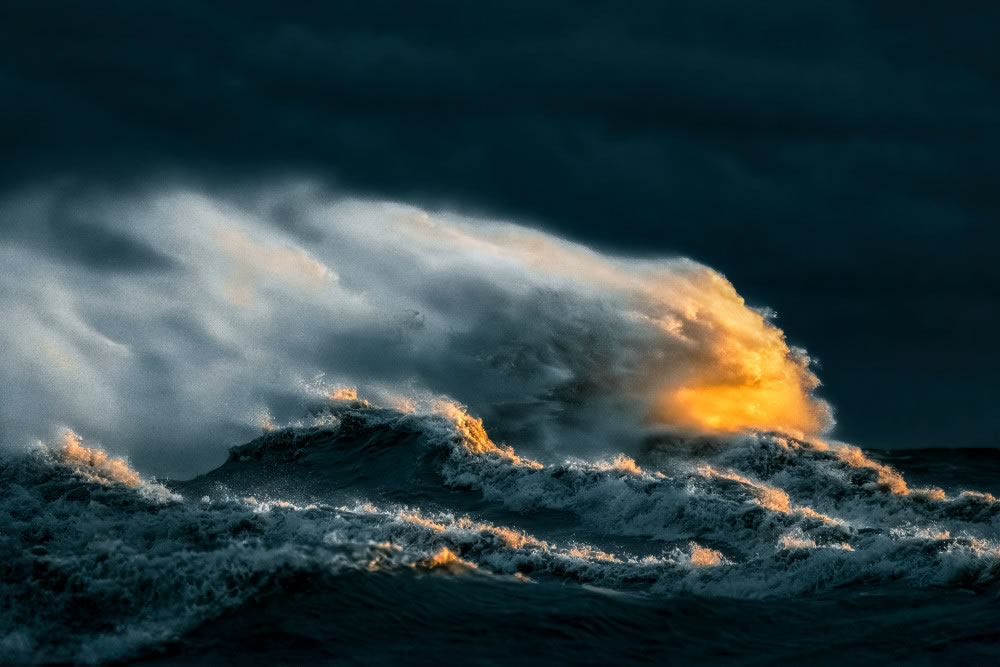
{"x": 376, "y": 535}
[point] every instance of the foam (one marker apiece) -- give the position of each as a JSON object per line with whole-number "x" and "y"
{"x": 95, "y": 464}
{"x": 763, "y": 516}
{"x": 563, "y": 347}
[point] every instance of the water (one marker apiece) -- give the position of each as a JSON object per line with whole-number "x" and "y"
{"x": 371, "y": 535}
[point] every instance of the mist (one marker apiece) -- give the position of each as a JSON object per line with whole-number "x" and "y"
{"x": 225, "y": 313}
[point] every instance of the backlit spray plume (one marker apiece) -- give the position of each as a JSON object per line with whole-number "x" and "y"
{"x": 253, "y": 299}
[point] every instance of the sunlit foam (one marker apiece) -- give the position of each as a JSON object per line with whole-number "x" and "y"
{"x": 378, "y": 294}
{"x": 446, "y": 558}
{"x": 887, "y": 477}
{"x": 755, "y": 381}
{"x": 417, "y": 519}
{"x": 343, "y": 394}
{"x": 622, "y": 463}
{"x": 474, "y": 436}
{"x": 726, "y": 366}
{"x": 766, "y": 496}
{"x": 591, "y": 553}
{"x": 95, "y": 464}
{"x": 704, "y": 557}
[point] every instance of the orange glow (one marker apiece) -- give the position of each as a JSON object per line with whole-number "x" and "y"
{"x": 474, "y": 437}
{"x": 714, "y": 364}
{"x": 94, "y": 464}
{"x": 741, "y": 375}
{"x": 416, "y": 519}
{"x": 590, "y": 553}
{"x": 766, "y": 496}
{"x": 622, "y": 463}
{"x": 704, "y": 557}
{"x": 887, "y": 477}
{"x": 813, "y": 514}
{"x": 446, "y": 558}
{"x": 343, "y": 394}
{"x": 728, "y": 407}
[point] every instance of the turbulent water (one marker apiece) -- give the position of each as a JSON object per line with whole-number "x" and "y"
{"x": 371, "y": 534}
{"x": 653, "y": 481}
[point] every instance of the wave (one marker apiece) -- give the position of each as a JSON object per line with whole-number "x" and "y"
{"x": 99, "y": 563}
{"x": 249, "y": 316}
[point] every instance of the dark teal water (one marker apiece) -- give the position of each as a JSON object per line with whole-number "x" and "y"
{"x": 380, "y": 537}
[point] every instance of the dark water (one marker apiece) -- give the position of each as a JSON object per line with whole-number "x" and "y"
{"x": 376, "y": 536}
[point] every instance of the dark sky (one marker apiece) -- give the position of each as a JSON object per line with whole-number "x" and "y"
{"x": 836, "y": 160}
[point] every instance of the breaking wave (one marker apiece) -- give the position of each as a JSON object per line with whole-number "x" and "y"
{"x": 100, "y": 564}
{"x": 655, "y": 446}
{"x": 256, "y": 303}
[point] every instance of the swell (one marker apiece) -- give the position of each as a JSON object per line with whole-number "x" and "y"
{"x": 800, "y": 516}
{"x": 413, "y": 619}
{"x": 99, "y": 563}
{"x": 761, "y": 493}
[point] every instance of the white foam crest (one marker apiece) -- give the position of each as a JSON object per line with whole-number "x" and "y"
{"x": 839, "y": 519}
{"x": 96, "y": 465}
{"x": 719, "y": 538}
{"x": 114, "y": 545}
{"x": 755, "y": 500}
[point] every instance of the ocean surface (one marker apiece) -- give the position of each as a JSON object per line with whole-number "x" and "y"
{"x": 370, "y": 535}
